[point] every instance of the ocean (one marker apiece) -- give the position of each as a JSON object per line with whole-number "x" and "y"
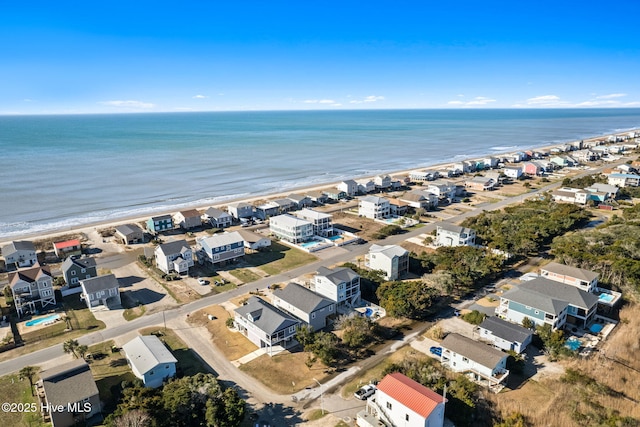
{"x": 57, "y": 172}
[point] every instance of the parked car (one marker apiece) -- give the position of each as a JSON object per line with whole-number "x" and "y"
{"x": 437, "y": 351}
{"x": 202, "y": 281}
{"x": 365, "y": 391}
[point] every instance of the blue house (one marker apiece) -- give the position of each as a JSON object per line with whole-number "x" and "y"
{"x": 221, "y": 247}
{"x": 160, "y": 223}
{"x": 150, "y": 360}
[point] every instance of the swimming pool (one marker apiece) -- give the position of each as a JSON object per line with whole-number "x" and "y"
{"x": 368, "y": 312}
{"x": 334, "y": 238}
{"x": 605, "y": 297}
{"x": 310, "y": 244}
{"x": 596, "y": 328}
{"x": 36, "y": 322}
{"x": 573, "y": 343}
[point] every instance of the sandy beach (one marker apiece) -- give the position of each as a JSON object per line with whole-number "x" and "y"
{"x": 86, "y": 229}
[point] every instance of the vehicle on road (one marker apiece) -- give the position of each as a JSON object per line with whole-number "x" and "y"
{"x": 365, "y": 391}
{"x": 437, "y": 351}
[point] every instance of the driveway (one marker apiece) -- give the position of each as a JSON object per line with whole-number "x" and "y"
{"x": 137, "y": 287}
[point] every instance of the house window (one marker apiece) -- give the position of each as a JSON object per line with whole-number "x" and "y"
{"x": 537, "y": 312}
{"x": 73, "y": 272}
{"x": 406, "y": 417}
{"x": 313, "y": 315}
{"x": 464, "y": 359}
{"x": 331, "y": 307}
{"x": 292, "y": 329}
{"x": 389, "y": 406}
{"x": 150, "y": 372}
{"x": 84, "y": 270}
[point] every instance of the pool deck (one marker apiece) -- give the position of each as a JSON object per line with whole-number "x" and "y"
{"x": 23, "y": 328}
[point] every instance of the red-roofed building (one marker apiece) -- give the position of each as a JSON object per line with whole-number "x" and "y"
{"x": 67, "y": 248}
{"x": 402, "y": 402}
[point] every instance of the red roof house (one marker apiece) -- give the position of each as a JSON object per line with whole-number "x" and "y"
{"x": 67, "y": 248}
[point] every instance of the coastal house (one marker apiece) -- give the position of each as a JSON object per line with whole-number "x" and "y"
{"x": 491, "y": 162}
{"x": 221, "y": 247}
{"x": 159, "y": 224}
{"x": 68, "y": 248}
{"x": 150, "y": 360}
{"x": 512, "y": 172}
{"x": 401, "y": 401}
{"x": 254, "y": 241}
{"x": 311, "y": 308}
{"x": 336, "y": 194}
{"x": 174, "y": 256}
{"x": 480, "y": 183}
{"x": 585, "y": 280}
{"x": 392, "y": 259}
{"x": 546, "y": 301}
{"x": 496, "y": 176}
{"x": 129, "y": 234}
{"x": 340, "y": 285}
{"x": 265, "y": 325}
{"x": 610, "y": 191}
{"x": 454, "y": 235}
{"x": 532, "y": 169}
{"x": 290, "y": 228}
{"x": 480, "y": 362}
{"x": 374, "y": 207}
{"x": 321, "y": 221}
{"x": 382, "y": 182}
{"x": 218, "y": 218}
{"x": 570, "y": 195}
{"x": 442, "y": 189}
{"x": 349, "y": 186}
{"x": 618, "y": 180}
{"x": 504, "y": 335}
{"x": 267, "y": 210}
{"x": 32, "y": 290}
{"x": 19, "y": 254}
{"x": 240, "y": 210}
{"x": 284, "y": 205}
{"x": 72, "y": 391}
{"x": 101, "y": 292}
{"x": 188, "y": 219}
{"x": 300, "y": 201}
{"x": 398, "y": 207}
{"x": 76, "y": 269}
{"x": 586, "y": 155}
{"x": 416, "y": 199}
{"x": 367, "y": 186}
{"x": 318, "y": 197}
{"x": 421, "y": 176}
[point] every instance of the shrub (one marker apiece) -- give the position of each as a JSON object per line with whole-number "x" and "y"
{"x": 474, "y": 317}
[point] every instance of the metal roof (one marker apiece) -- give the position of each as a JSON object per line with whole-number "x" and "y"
{"x": 505, "y": 330}
{"x": 481, "y": 353}
{"x": 146, "y": 352}
{"x": 338, "y": 275}
{"x": 566, "y": 270}
{"x": 410, "y": 393}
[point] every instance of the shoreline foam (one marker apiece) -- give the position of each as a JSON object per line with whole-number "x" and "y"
{"x": 123, "y": 218}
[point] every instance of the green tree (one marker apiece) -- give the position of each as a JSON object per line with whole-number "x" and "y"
{"x": 411, "y": 299}
{"x": 474, "y": 317}
{"x": 305, "y": 336}
{"x": 325, "y": 347}
{"x": 527, "y": 323}
{"x": 28, "y": 373}
{"x": 71, "y": 347}
{"x": 357, "y": 331}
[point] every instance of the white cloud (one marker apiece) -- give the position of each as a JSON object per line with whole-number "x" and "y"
{"x": 544, "y": 100}
{"x": 612, "y": 95}
{"x": 128, "y": 104}
{"x": 336, "y": 105}
{"x": 478, "y": 100}
{"x": 200, "y": 97}
{"x": 310, "y": 101}
{"x": 326, "y": 101}
{"x": 368, "y": 99}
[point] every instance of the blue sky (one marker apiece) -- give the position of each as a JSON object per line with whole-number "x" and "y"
{"x": 104, "y": 57}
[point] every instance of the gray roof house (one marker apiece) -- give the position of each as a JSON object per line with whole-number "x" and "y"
{"x": 240, "y": 210}
{"x": 448, "y": 234}
{"x": 300, "y": 200}
{"x": 76, "y": 269}
{"x": 340, "y": 285}
{"x": 101, "y": 292}
{"x": 19, "y": 253}
{"x": 32, "y": 289}
{"x": 130, "y": 233}
{"x": 586, "y": 280}
{"x": 188, "y": 219}
{"x": 545, "y": 301}
{"x": 265, "y": 325}
{"x": 504, "y": 335}
{"x": 150, "y": 360}
{"x": 308, "y": 306}
{"x": 174, "y": 256}
{"x": 218, "y": 218}
{"x": 71, "y": 387}
{"x": 481, "y": 362}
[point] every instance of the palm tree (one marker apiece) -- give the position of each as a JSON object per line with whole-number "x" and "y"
{"x": 71, "y": 346}
{"x": 82, "y": 350}
{"x": 28, "y": 372}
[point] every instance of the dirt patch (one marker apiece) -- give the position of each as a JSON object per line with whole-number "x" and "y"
{"x": 363, "y": 227}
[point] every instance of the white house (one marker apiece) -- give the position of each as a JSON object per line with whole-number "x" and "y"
{"x": 290, "y": 228}
{"x": 150, "y": 360}
{"x": 174, "y": 256}
{"x": 240, "y": 210}
{"x": 308, "y": 306}
{"x": 480, "y": 362}
{"x": 442, "y": 189}
{"x": 366, "y": 186}
{"x": 585, "y": 280}
{"x": 349, "y": 186}
{"x": 392, "y": 259}
{"x": 620, "y": 180}
{"x": 382, "y": 182}
{"x": 187, "y": 219}
{"x": 20, "y": 254}
{"x": 321, "y": 221}
{"x": 340, "y": 285}
{"x": 100, "y": 292}
{"x": 512, "y": 172}
{"x": 570, "y": 195}
{"x": 374, "y": 207}
{"x": 454, "y": 235}
{"x": 504, "y": 335}
{"x": 401, "y": 401}
{"x": 254, "y": 241}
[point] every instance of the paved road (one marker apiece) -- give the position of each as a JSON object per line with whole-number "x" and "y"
{"x": 249, "y": 387}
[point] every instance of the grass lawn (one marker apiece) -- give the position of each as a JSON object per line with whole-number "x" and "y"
{"x": 13, "y": 390}
{"x": 375, "y": 373}
{"x": 188, "y": 362}
{"x": 223, "y": 288}
{"x": 232, "y": 344}
{"x": 109, "y": 370}
{"x": 82, "y": 321}
{"x": 244, "y": 275}
{"x": 279, "y": 258}
{"x": 133, "y": 313}
{"x": 316, "y": 414}
{"x": 283, "y": 370}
